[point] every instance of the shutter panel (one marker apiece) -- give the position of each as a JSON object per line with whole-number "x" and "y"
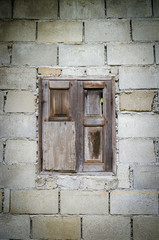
{"x": 58, "y": 126}
{"x": 59, "y": 153}
{"x": 95, "y": 130}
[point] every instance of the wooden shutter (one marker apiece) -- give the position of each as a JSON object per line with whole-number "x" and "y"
{"x": 94, "y": 126}
{"x": 59, "y": 125}
{"x": 76, "y": 125}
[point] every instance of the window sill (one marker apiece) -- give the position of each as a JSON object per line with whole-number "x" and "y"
{"x": 50, "y": 173}
{"x": 77, "y": 181}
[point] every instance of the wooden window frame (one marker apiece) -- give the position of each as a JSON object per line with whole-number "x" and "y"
{"x": 110, "y": 134}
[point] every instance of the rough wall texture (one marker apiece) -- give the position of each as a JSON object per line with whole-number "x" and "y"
{"x": 80, "y": 38}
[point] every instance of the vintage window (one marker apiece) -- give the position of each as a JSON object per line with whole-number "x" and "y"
{"x": 76, "y": 125}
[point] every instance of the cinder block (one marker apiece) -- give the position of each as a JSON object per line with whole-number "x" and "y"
{"x": 6, "y": 9}
{"x": 73, "y": 71}
{"x": 156, "y": 103}
{"x": 1, "y": 151}
{"x": 60, "y": 32}
{"x": 132, "y": 53}
{"x": 18, "y": 78}
{"x": 138, "y": 77}
{"x": 133, "y": 202}
{"x": 34, "y": 201}
{"x": 107, "y": 31}
{"x": 106, "y": 227}
{"x": 97, "y": 71}
{"x": 20, "y": 151}
{"x": 78, "y": 202}
{"x": 138, "y": 125}
{"x": 34, "y": 54}
{"x": 1, "y": 102}
{"x": 20, "y": 102}
{"x": 25, "y": 31}
{"x": 146, "y": 228}
{"x": 6, "y": 203}
{"x": 79, "y": 9}
{"x": 145, "y": 30}
{"x": 14, "y": 227}
{"x": 17, "y": 176}
{"x": 156, "y": 8}
{"x": 81, "y": 55}
{"x": 17, "y": 126}
{"x": 146, "y": 177}
{"x": 0, "y": 200}
{"x": 123, "y": 176}
{"x": 56, "y": 227}
{"x": 45, "y": 9}
{"x": 129, "y": 8}
{"x": 49, "y": 71}
{"x": 136, "y": 151}
{"x": 4, "y": 54}
{"x": 99, "y": 183}
{"x": 136, "y": 101}
{"x": 157, "y": 53}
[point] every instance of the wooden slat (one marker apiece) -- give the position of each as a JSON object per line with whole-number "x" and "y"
{"x": 59, "y": 152}
{"x": 88, "y": 167}
{"x": 59, "y": 84}
{"x": 45, "y": 101}
{"x": 57, "y": 119}
{"x": 113, "y": 128}
{"x": 93, "y": 84}
{"x": 73, "y": 101}
{"x": 80, "y": 128}
{"x": 94, "y": 121}
{"x": 107, "y": 111}
{"x": 40, "y": 154}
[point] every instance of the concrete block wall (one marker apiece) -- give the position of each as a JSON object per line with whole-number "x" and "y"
{"x": 80, "y": 38}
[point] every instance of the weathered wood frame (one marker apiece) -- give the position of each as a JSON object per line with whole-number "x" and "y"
{"x": 111, "y": 166}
